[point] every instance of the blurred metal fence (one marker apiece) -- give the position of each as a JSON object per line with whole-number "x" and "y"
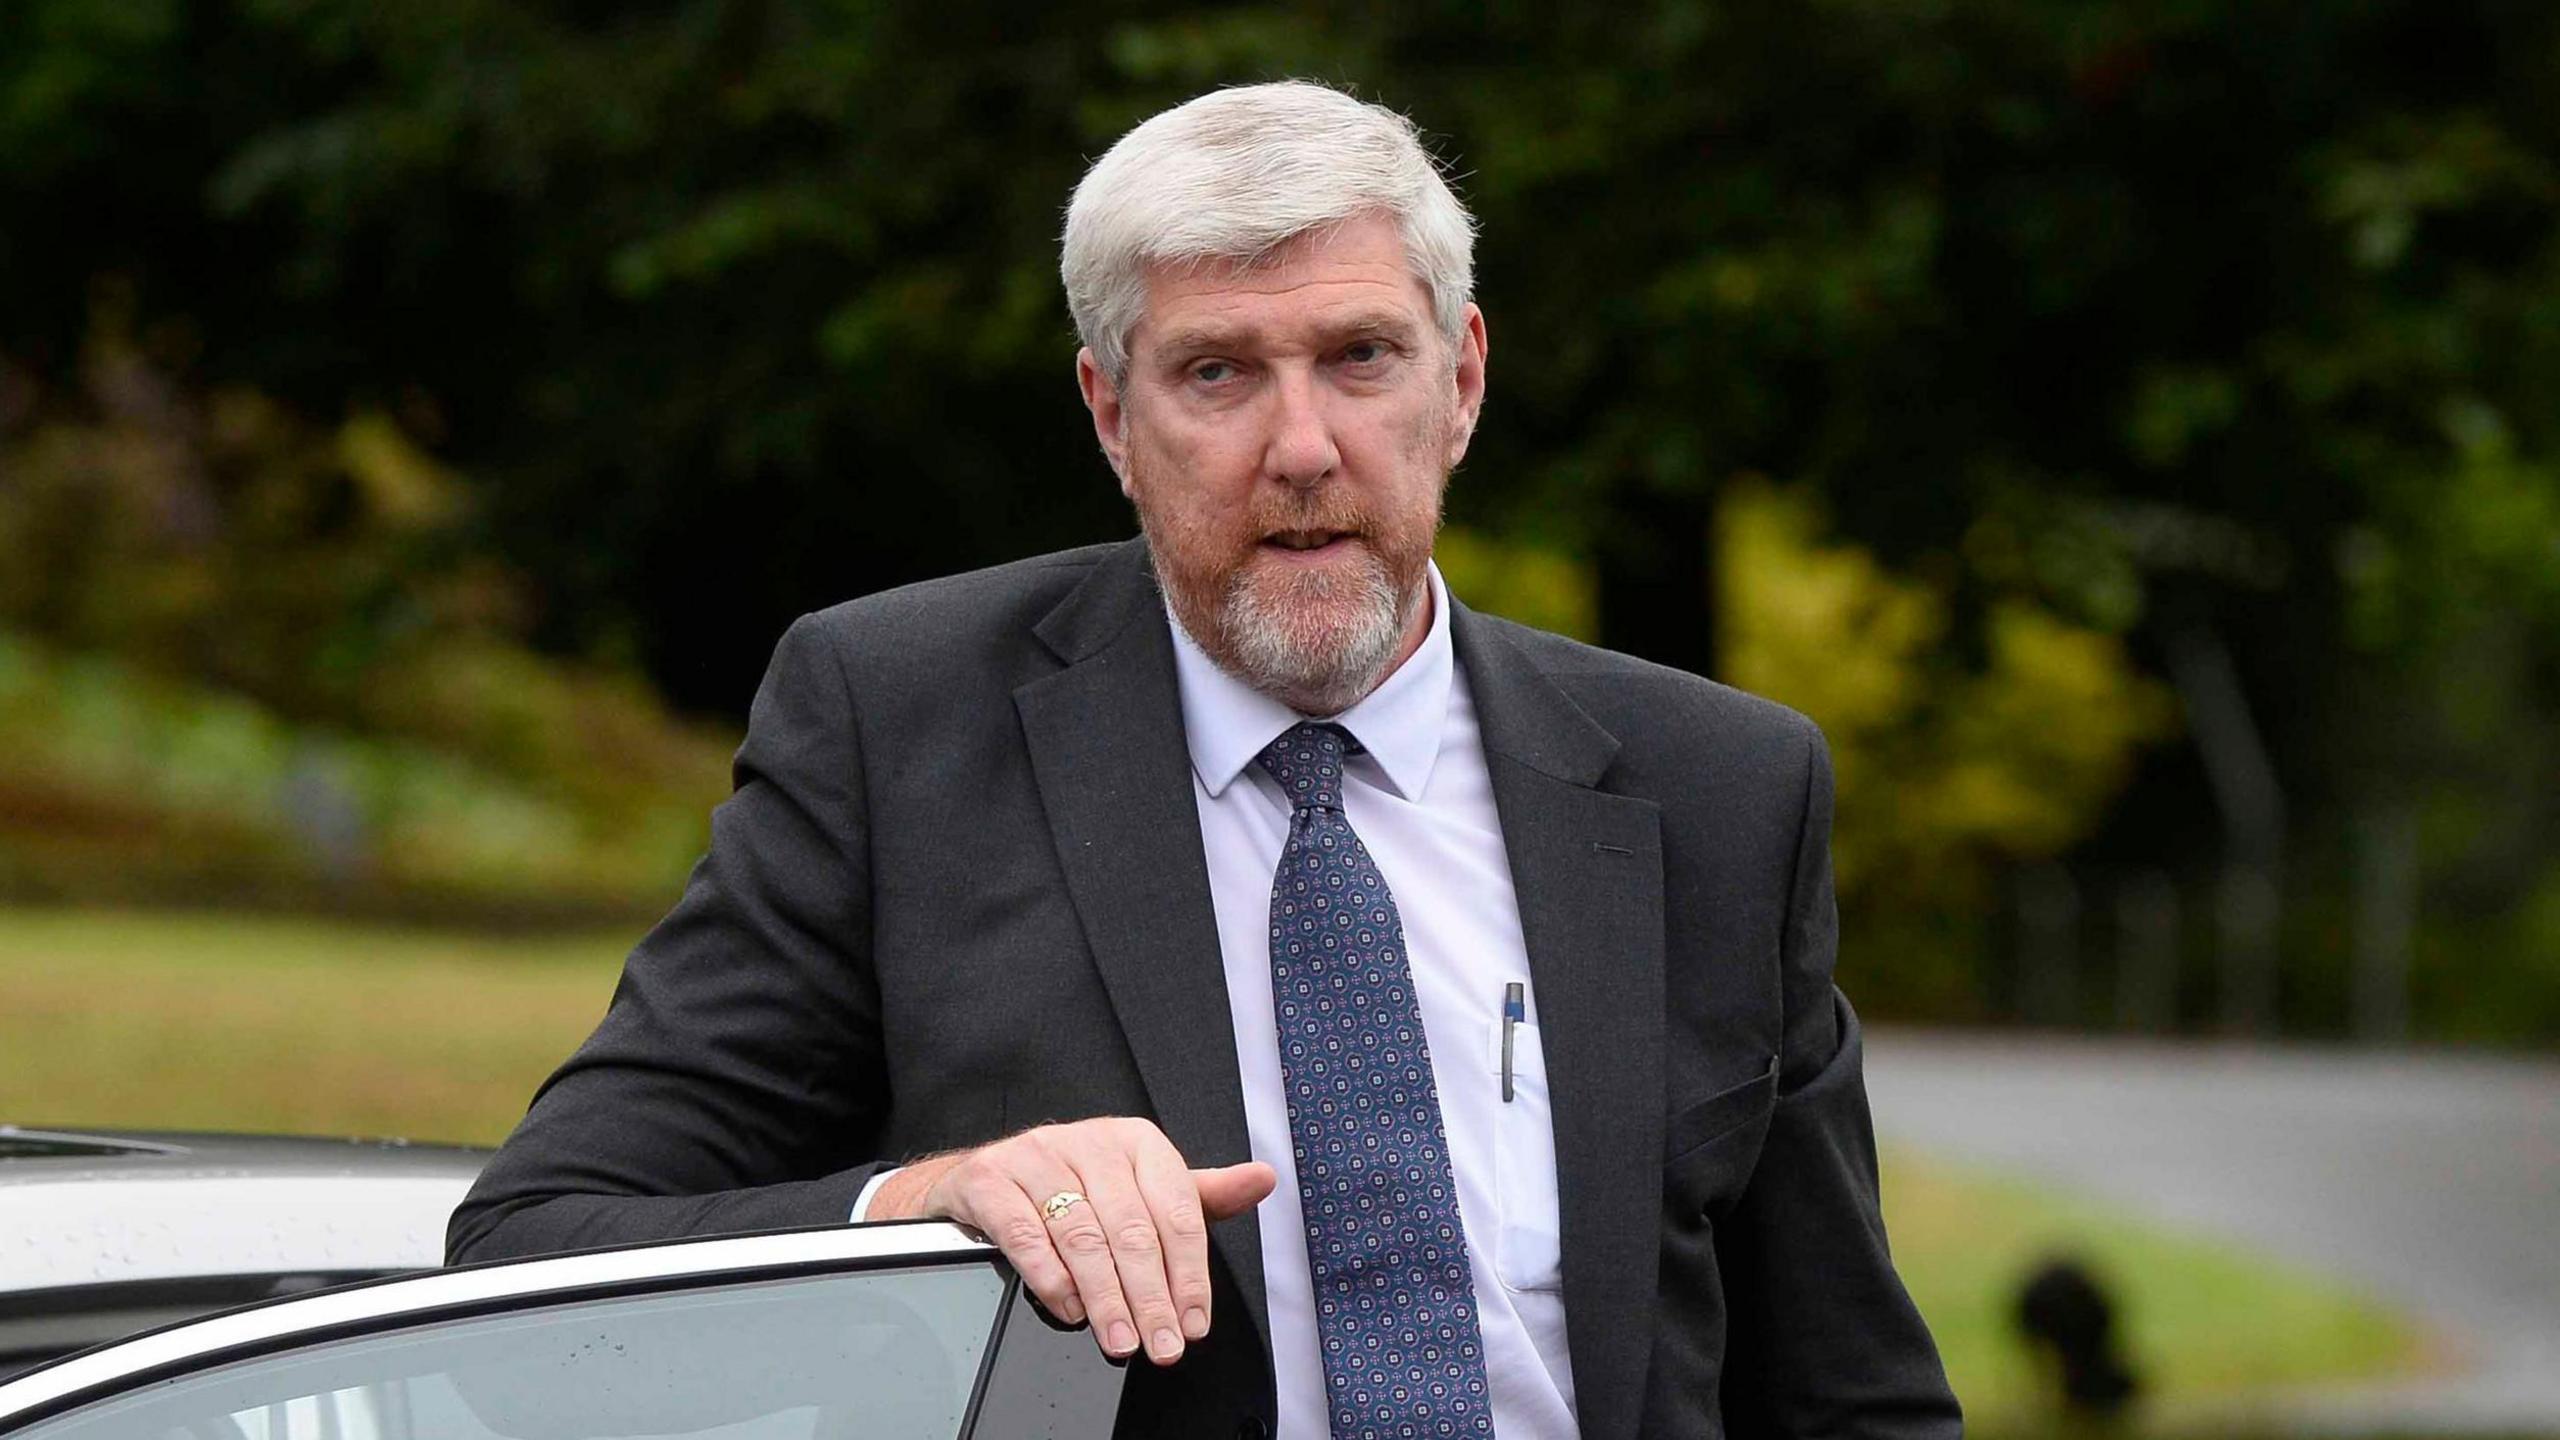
{"x": 2143, "y": 950}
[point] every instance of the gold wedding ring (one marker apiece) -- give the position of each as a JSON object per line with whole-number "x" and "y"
{"x": 1060, "y": 1203}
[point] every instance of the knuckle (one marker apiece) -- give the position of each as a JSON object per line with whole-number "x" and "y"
{"x": 1185, "y": 1222}
{"x": 1136, "y": 1237}
{"x": 1085, "y": 1242}
{"x": 1022, "y": 1237}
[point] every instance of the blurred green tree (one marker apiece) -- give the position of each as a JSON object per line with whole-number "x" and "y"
{"x": 247, "y": 659}
{"x": 2216, "y": 325}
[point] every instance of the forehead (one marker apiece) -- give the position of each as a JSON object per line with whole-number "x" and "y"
{"x": 1349, "y": 274}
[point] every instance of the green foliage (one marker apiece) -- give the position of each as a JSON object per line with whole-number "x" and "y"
{"x": 2156, "y": 318}
{"x": 1521, "y": 581}
{"x": 244, "y": 656}
{"x": 120, "y": 784}
{"x": 1947, "y": 772}
{"x": 2520, "y": 1005}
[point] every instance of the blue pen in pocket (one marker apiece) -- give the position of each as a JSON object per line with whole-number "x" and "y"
{"x": 1515, "y": 1009}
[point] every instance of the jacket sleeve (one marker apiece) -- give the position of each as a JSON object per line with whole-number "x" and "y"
{"x": 736, "y": 1081}
{"x": 1824, "y": 1339}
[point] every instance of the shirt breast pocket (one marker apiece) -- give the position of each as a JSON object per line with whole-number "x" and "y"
{"x": 1526, "y": 1248}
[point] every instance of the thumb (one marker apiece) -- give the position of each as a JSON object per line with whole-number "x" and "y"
{"x": 1234, "y": 1189}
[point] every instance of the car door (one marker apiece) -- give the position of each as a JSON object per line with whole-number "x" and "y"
{"x": 883, "y": 1332}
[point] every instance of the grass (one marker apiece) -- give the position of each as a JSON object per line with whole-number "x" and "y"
{"x": 231, "y": 1022}
{"x": 2202, "y": 1321}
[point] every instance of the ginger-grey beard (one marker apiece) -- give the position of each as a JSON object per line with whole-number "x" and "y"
{"x": 1316, "y": 640}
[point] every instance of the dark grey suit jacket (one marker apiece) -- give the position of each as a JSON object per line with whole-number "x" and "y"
{"x": 960, "y": 891}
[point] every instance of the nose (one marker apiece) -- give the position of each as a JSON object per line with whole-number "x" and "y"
{"x": 1299, "y": 450}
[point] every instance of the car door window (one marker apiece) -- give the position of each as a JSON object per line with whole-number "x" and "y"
{"x": 883, "y": 1355}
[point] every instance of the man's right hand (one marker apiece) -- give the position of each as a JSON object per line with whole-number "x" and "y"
{"x": 1132, "y": 1256}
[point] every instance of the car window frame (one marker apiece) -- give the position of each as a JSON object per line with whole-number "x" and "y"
{"x": 1025, "y": 1350}
{"x": 36, "y": 1324}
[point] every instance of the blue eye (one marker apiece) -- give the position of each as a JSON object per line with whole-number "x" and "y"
{"x": 1210, "y": 372}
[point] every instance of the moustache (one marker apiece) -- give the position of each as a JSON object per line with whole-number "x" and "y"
{"x": 1267, "y": 521}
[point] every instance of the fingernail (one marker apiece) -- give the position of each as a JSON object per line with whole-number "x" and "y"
{"x": 1123, "y": 1337}
{"x": 1071, "y": 1310}
{"x": 1195, "y": 1322}
{"x": 1165, "y": 1346}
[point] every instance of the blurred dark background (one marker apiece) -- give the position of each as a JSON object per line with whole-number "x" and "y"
{"x": 2130, "y": 428}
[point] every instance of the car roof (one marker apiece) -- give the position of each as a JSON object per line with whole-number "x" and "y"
{"x": 48, "y": 1155}
{"x": 106, "y": 1207}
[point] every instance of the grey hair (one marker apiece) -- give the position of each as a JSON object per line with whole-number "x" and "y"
{"x": 1235, "y": 174}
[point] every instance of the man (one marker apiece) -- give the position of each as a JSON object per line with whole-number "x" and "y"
{"x": 1379, "y": 1014}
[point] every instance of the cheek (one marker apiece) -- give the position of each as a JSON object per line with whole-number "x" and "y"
{"x": 1202, "y": 473}
{"x": 1408, "y": 429}
{"x": 1188, "y": 493}
{"x": 1418, "y": 444}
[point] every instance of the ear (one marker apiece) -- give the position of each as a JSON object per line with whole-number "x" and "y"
{"x": 1469, "y": 378}
{"x": 1110, "y": 418}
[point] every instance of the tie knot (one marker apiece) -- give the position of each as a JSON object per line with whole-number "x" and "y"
{"x": 1307, "y": 761}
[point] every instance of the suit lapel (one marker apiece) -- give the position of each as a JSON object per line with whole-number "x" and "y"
{"x": 1588, "y": 869}
{"x": 1108, "y": 754}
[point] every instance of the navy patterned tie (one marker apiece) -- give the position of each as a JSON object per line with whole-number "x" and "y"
{"x": 1395, "y": 1304}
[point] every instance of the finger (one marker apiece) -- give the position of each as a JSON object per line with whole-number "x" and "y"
{"x": 1137, "y": 1252}
{"x": 982, "y": 1195}
{"x": 1173, "y": 1200}
{"x": 1078, "y": 1234}
{"x": 1233, "y": 1189}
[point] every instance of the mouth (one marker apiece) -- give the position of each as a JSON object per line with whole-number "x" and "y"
{"x": 1307, "y": 542}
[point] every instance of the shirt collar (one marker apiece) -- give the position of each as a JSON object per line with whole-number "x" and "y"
{"x": 1227, "y": 722}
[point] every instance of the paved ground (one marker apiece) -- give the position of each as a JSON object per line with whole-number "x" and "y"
{"x": 2433, "y": 1179}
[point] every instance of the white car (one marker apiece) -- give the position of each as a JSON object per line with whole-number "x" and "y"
{"x": 104, "y": 1233}
{"x": 910, "y": 1331}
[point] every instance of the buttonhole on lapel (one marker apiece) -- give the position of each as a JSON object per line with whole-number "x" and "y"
{"x": 1605, "y": 848}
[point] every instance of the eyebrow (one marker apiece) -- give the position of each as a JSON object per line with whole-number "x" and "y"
{"x": 1387, "y": 324}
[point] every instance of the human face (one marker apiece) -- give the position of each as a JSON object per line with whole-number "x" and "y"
{"x": 1286, "y": 431}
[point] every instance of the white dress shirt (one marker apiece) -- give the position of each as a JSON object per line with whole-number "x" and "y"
{"x": 1422, "y": 801}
